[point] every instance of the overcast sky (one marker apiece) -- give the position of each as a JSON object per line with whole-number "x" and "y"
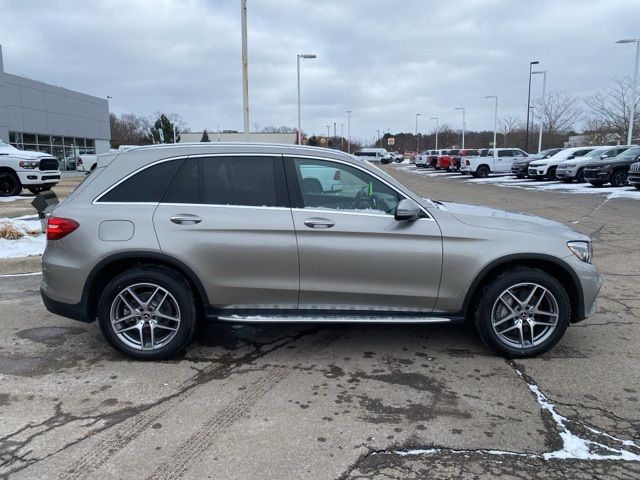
{"x": 385, "y": 60}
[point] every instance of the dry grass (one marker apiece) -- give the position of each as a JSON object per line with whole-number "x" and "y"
{"x": 9, "y": 231}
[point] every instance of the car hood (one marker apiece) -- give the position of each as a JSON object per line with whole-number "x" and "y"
{"x": 487, "y": 217}
{"x": 24, "y": 154}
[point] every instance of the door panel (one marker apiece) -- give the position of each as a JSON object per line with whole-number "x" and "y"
{"x": 368, "y": 262}
{"x": 245, "y": 257}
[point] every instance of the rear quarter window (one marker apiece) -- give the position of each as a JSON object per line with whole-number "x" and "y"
{"x": 147, "y": 185}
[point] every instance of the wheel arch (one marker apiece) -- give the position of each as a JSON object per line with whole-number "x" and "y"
{"x": 547, "y": 263}
{"x": 115, "y": 264}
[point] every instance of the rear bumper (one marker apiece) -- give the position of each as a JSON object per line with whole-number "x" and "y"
{"x": 78, "y": 311}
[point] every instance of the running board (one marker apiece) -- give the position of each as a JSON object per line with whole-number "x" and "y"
{"x": 331, "y": 319}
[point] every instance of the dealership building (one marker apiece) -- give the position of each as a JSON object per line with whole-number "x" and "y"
{"x": 38, "y": 116}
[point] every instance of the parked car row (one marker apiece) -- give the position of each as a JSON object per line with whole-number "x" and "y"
{"x": 597, "y": 165}
{"x": 379, "y": 155}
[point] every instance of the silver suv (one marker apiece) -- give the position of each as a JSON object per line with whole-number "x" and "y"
{"x": 160, "y": 237}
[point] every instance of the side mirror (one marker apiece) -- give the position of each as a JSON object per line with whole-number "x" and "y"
{"x": 407, "y": 210}
{"x": 570, "y": 157}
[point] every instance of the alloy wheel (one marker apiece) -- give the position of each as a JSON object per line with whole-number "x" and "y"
{"x": 145, "y": 316}
{"x": 525, "y": 315}
{"x": 7, "y": 185}
{"x": 619, "y": 179}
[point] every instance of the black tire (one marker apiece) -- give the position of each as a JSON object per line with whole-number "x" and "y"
{"x": 567, "y": 180}
{"x": 637, "y": 187}
{"x": 580, "y": 176}
{"x": 172, "y": 282}
{"x": 10, "y": 185}
{"x": 509, "y": 278}
{"x": 37, "y": 190}
{"x": 551, "y": 174}
{"x": 597, "y": 183}
{"x": 520, "y": 176}
{"x": 482, "y": 172}
{"x": 619, "y": 178}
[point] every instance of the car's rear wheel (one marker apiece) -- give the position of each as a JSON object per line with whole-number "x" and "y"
{"x": 482, "y": 171}
{"x": 619, "y": 178}
{"x": 9, "y": 184}
{"x": 523, "y": 312}
{"x": 551, "y": 174}
{"x": 147, "y": 312}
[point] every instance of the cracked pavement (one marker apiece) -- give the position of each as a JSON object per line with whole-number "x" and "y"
{"x": 332, "y": 402}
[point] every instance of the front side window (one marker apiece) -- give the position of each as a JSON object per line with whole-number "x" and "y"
{"x": 247, "y": 181}
{"x": 148, "y": 185}
{"x": 505, "y": 153}
{"x": 335, "y": 186}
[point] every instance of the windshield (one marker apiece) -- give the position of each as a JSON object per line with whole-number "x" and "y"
{"x": 5, "y": 145}
{"x": 596, "y": 152}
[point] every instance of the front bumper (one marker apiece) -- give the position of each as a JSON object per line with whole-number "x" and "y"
{"x": 38, "y": 177}
{"x": 537, "y": 171}
{"x": 520, "y": 169}
{"x": 634, "y": 179}
{"x": 596, "y": 175}
{"x": 590, "y": 283}
{"x": 567, "y": 172}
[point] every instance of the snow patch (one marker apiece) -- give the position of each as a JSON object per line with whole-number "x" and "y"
{"x": 26, "y": 246}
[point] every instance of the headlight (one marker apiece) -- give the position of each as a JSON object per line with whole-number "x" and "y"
{"x": 29, "y": 164}
{"x": 582, "y": 250}
{"x": 539, "y": 165}
{"x": 567, "y": 165}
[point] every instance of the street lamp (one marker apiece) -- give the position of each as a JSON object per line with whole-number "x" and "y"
{"x": 463, "y": 123}
{"x": 495, "y": 119}
{"x": 436, "y": 119}
{"x": 328, "y": 133}
{"x": 531, "y": 64}
{"x": 635, "y": 85}
{"x": 417, "y": 140}
{"x": 245, "y": 70}
{"x": 349, "y": 131}
{"x": 378, "y": 143}
{"x": 299, "y": 56}
{"x": 544, "y": 90}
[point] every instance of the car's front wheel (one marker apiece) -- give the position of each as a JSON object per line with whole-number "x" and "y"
{"x": 551, "y": 174}
{"x": 147, "y": 312}
{"x": 523, "y": 312}
{"x": 619, "y": 178}
{"x": 482, "y": 171}
{"x": 9, "y": 184}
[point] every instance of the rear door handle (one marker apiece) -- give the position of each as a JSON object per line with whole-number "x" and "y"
{"x": 318, "y": 222}
{"x": 185, "y": 219}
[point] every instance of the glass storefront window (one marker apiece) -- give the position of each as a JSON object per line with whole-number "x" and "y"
{"x": 44, "y": 148}
{"x": 79, "y": 142}
{"x": 44, "y": 140}
{"x": 68, "y": 142}
{"x": 30, "y": 146}
{"x": 91, "y": 144}
{"x": 29, "y": 138}
{"x": 56, "y": 141}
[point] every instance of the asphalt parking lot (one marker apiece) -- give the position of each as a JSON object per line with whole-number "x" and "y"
{"x": 335, "y": 402}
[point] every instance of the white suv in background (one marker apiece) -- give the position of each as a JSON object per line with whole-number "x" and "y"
{"x": 498, "y": 160}
{"x": 374, "y": 155}
{"x": 539, "y": 169}
{"x": 35, "y": 171}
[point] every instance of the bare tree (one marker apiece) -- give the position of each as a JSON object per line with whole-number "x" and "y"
{"x": 128, "y": 129}
{"x": 508, "y": 125}
{"x": 559, "y": 113}
{"x": 611, "y": 108}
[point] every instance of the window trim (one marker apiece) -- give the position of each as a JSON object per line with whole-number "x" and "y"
{"x": 296, "y": 195}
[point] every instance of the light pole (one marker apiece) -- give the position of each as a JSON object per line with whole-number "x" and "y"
{"x": 349, "y": 131}
{"x": 341, "y": 135}
{"x": 495, "y": 119}
{"x": 463, "y": 123}
{"x": 245, "y": 70}
{"x": 417, "y": 139}
{"x": 218, "y": 127}
{"x": 635, "y": 86}
{"x": 532, "y": 117}
{"x": 299, "y": 56}
{"x": 436, "y": 119}
{"x": 531, "y": 64}
{"x": 328, "y": 133}
{"x": 544, "y": 90}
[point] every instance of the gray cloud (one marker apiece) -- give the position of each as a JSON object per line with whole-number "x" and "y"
{"x": 385, "y": 60}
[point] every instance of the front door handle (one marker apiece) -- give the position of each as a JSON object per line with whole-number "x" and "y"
{"x": 318, "y": 222}
{"x": 185, "y": 219}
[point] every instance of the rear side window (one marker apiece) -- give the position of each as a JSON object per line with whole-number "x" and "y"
{"x": 248, "y": 181}
{"x": 147, "y": 185}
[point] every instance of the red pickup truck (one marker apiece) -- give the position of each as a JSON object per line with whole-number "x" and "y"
{"x": 444, "y": 160}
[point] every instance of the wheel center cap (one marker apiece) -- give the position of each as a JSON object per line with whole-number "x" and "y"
{"x": 145, "y": 316}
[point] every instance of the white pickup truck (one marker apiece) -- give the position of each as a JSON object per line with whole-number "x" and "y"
{"x": 87, "y": 162}
{"x": 35, "y": 171}
{"x": 498, "y": 160}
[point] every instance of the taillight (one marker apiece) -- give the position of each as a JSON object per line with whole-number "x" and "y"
{"x": 58, "y": 227}
{"x": 336, "y": 176}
